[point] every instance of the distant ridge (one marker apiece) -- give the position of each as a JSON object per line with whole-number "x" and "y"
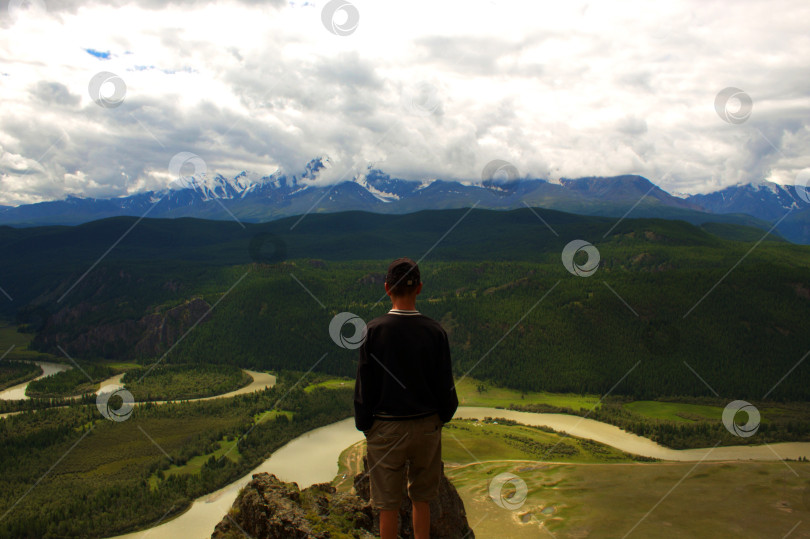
{"x": 250, "y": 197}
{"x": 765, "y": 200}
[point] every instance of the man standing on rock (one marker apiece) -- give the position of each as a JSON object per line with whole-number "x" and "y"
{"x": 403, "y": 395}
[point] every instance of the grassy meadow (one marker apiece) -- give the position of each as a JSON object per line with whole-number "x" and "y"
{"x": 662, "y": 500}
{"x": 594, "y": 491}
{"x": 10, "y": 337}
{"x": 472, "y": 392}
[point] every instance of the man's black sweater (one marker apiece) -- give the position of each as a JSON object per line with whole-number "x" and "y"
{"x": 404, "y": 370}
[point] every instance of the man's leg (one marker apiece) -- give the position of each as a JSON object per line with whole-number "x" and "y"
{"x": 421, "y": 520}
{"x": 387, "y": 443}
{"x": 424, "y": 471}
{"x": 389, "y": 523}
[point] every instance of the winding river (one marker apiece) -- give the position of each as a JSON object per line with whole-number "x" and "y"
{"x": 638, "y": 445}
{"x": 312, "y": 458}
{"x": 261, "y": 380}
{"x": 17, "y": 392}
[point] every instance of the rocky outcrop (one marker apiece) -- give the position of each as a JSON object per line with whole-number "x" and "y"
{"x": 149, "y": 336}
{"x": 161, "y": 330}
{"x": 268, "y": 508}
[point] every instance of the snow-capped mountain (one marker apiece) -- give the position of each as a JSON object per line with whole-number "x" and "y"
{"x": 252, "y": 197}
{"x": 245, "y": 183}
{"x": 765, "y": 200}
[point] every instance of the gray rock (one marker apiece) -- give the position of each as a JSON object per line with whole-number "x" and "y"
{"x": 268, "y": 508}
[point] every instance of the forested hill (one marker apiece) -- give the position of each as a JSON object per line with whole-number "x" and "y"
{"x": 494, "y": 279}
{"x": 41, "y": 262}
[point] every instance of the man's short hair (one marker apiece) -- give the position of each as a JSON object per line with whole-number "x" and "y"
{"x": 403, "y": 276}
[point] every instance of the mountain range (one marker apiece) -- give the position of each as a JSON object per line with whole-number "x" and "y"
{"x": 254, "y": 198}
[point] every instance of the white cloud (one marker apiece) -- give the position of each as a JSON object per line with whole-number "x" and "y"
{"x": 420, "y": 89}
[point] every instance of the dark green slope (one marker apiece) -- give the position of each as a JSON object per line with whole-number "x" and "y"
{"x": 796, "y": 226}
{"x": 44, "y": 262}
{"x": 482, "y": 278}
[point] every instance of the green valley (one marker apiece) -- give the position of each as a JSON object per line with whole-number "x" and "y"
{"x": 657, "y": 342}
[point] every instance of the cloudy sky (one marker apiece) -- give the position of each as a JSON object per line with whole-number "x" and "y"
{"x": 98, "y": 97}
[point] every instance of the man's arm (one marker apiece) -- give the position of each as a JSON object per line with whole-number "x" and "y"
{"x": 448, "y": 400}
{"x": 365, "y": 390}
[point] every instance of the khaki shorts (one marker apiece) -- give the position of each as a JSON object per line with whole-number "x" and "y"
{"x": 390, "y": 444}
